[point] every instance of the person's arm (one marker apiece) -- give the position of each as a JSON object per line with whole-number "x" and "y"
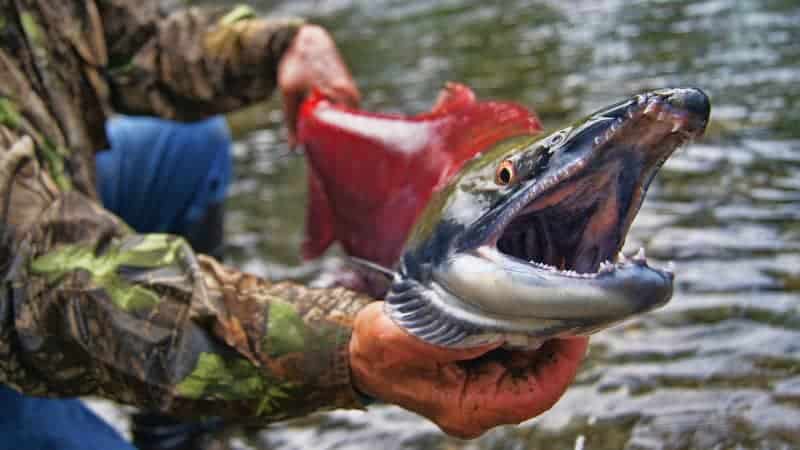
{"x": 194, "y": 62}
{"x": 90, "y": 308}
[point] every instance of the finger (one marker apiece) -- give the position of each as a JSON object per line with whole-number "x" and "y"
{"x": 291, "y": 105}
{"x": 464, "y": 432}
{"x": 343, "y": 93}
{"x": 550, "y": 374}
{"x": 347, "y": 93}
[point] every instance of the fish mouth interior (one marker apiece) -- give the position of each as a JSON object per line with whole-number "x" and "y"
{"x": 573, "y": 228}
{"x": 582, "y": 220}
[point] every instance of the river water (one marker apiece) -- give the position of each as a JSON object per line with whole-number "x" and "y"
{"x": 719, "y": 367}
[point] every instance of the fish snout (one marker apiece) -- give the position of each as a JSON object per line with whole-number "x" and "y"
{"x": 693, "y": 101}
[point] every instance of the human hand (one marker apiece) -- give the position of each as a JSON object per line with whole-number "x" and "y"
{"x": 465, "y": 392}
{"x": 313, "y": 61}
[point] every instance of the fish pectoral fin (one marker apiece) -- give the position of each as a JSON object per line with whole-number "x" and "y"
{"x": 413, "y": 307}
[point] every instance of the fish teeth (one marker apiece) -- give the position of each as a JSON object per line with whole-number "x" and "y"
{"x": 574, "y": 274}
{"x": 567, "y": 272}
{"x": 640, "y": 257}
{"x": 676, "y": 126}
{"x": 544, "y": 266}
{"x": 606, "y": 266}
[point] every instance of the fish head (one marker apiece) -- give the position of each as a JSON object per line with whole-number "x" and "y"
{"x": 524, "y": 243}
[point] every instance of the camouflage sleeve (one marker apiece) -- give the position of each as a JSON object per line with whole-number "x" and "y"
{"x": 192, "y": 63}
{"x": 90, "y": 308}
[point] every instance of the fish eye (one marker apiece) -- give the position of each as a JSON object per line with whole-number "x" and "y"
{"x": 505, "y": 174}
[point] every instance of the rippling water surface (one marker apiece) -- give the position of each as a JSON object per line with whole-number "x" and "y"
{"x": 719, "y": 367}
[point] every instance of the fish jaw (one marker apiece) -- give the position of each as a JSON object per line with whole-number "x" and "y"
{"x": 541, "y": 260}
{"x": 486, "y": 297}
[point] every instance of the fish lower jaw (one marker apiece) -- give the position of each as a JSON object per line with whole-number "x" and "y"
{"x": 436, "y": 316}
{"x": 483, "y": 297}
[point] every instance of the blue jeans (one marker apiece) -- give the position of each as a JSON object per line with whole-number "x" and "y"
{"x": 158, "y": 176}
{"x": 30, "y": 423}
{"x": 161, "y": 176}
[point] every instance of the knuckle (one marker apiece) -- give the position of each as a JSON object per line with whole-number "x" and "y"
{"x": 314, "y": 33}
{"x": 313, "y": 28}
{"x": 460, "y": 427}
{"x": 461, "y": 433}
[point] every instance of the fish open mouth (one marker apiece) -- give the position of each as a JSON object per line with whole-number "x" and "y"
{"x": 542, "y": 259}
{"x": 578, "y": 218}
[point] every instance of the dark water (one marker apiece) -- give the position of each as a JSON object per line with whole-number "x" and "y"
{"x": 719, "y": 367}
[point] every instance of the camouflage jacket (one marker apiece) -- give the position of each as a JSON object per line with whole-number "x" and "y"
{"x": 88, "y": 307}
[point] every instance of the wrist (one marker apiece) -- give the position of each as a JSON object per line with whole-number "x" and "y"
{"x": 358, "y": 373}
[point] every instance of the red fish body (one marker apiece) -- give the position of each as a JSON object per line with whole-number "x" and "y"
{"x": 370, "y": 175}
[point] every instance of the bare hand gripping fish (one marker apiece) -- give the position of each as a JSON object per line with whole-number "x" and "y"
{"x": 521, "y": 243}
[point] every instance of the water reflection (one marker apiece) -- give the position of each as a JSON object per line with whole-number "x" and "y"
{"x": 720, "y": 366}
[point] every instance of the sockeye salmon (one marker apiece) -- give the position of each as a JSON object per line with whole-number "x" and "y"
{"x": 493, "y": 233}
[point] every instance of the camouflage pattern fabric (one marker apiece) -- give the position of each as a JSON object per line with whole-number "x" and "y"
{"x": 88, "y": 307}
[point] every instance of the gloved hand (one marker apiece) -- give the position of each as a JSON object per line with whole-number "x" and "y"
{"x": 465, "y": 392}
